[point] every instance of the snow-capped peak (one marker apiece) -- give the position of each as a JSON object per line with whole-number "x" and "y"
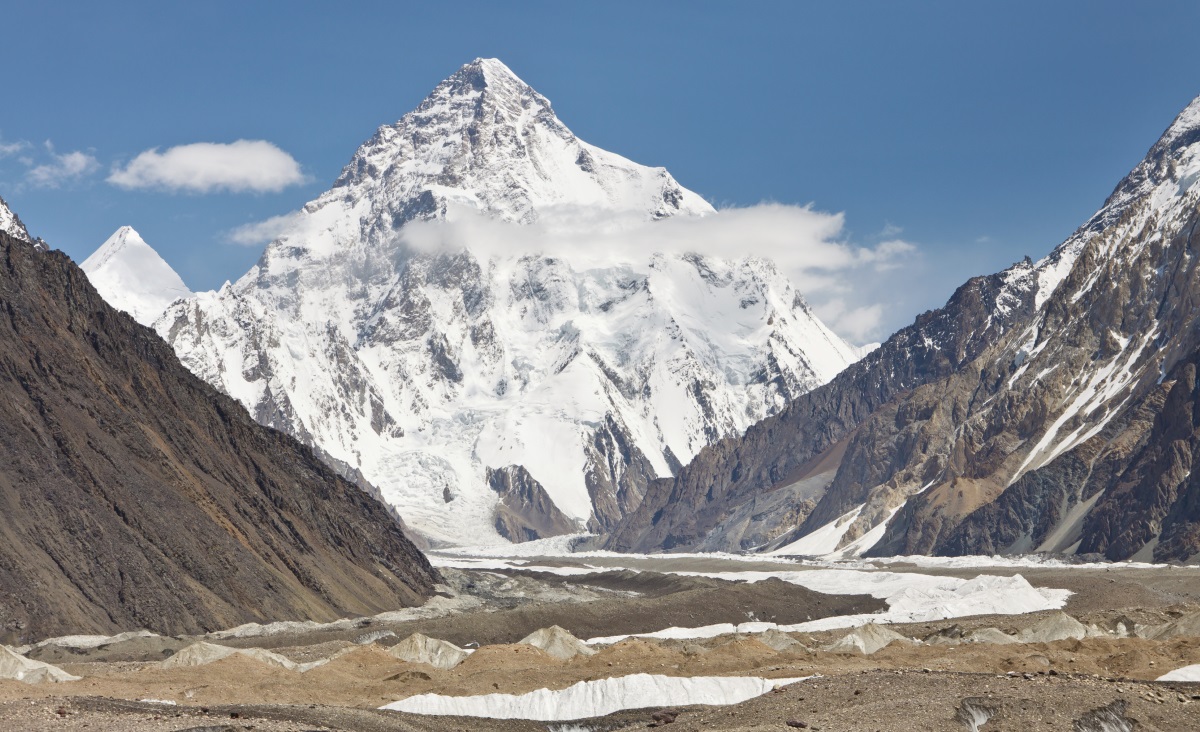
{"x": 11, "y": 225}
{"x": 491, "y": 390}
{"x": 131, "y": 276}
{"x": 486, "y": 140}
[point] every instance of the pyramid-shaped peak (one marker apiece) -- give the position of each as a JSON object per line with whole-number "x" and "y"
{"x": 489, "y": 71}
{"x": 485, "y": 140}
{"x": 131, "y": 276}
{"x": 484, "y": 79}
{"x": 126, "y": 237}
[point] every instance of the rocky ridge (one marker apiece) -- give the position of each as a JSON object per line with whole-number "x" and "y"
{"x": 1045, "y": 408}
{"x": 10, "y": 224}
{"x": 135, "y": 495}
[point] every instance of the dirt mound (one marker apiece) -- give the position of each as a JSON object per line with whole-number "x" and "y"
{"x": 995, "y": 636}
{"x": 1187, "y": 625}
{"x": 744, "y": 649}
{"x": 781, "y": 641}
{"x": 510, "y": 657}
{"x": 636, "y": 653}
{"x": 1055, "y": 627}
{"x": 419, "y": 648}
{"x": 558, "y": 642}
{"x": 865, "y": 639}
{"x": 19, "y": 668}
{"x": 203, "y": 653}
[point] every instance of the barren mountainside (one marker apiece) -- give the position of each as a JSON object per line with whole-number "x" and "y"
{"x": 1048, "y": 408}
{"x": 132, "y": 494}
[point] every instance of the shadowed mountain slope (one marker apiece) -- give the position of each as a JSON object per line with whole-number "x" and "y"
{"x": 132, "y": 494}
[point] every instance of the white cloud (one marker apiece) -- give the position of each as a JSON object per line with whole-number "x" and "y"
{"x": 62, "y": 168}
{"x": 845, "y": 282}
{"x": 262, "y": 232}
{"x": 204, "y": 167}
{"x": 858, "y": 324}
{"x": 12, "y": 148}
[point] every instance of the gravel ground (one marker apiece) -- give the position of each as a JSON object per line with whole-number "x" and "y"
{"x": 902, "y": 687}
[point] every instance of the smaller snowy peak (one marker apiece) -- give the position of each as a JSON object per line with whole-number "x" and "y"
{"x": 131, "y": 276}
{"x": 11, "y": 225}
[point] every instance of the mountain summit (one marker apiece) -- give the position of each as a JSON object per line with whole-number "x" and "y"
{"x": 498, "y": 388}
{"x": 486, "y": 140}
{"x": 131, "y": 276}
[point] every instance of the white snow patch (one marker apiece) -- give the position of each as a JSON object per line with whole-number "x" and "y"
{"x": 1187, "y": 673}
{"x": 821, "y": 541}
{"x": 596, "y": 698}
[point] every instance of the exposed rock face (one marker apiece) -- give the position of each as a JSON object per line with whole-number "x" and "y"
{"x": 11, "y": 224}
{"x": 134, "y": 495}
{"x": 407, "y": 328}
{"x": 525, "y": 512}
{"x": 1045, "y": 408}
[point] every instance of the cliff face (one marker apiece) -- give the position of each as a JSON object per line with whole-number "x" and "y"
{"x": 1048, "y": 408}
{"x": 132, "y": 494}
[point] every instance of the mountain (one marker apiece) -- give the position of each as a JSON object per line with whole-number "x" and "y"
{"x": 11, "y": 225}
{"x": 133, "y": 495}
{"x": 1050, "y": 407}
{"x": 132, "y": 277}
{"x": 460, "y": 322}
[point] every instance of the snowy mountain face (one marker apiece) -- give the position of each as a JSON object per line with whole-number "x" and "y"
{"x": 490, "y": 387}
{"x": 131, "y": 276}
{"x": 11, "y": 225}
{"x": 1050, "y": 407}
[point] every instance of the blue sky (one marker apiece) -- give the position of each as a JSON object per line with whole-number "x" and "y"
{"x": 979, "y": 132}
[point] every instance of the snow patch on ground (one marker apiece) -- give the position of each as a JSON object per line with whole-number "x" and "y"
{"x": 596, "y": 698}
{"x": 1187, "y": 673}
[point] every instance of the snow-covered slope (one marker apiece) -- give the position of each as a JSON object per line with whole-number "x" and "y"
{"x": 10, "y": 224}
{"x": 131, "y": 276}
{"x": 412, "y": 328}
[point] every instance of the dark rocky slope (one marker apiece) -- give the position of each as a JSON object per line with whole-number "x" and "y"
{"x": 1045, "y": 408}
{"x": 132, "y": 494}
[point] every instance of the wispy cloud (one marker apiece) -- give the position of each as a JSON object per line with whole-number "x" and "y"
{"x": 62, "y": 169}
{"x": 851, "y": 286}
{"x": 261, "y": 232}
{"x": 255, "y": 166}
{"x": 12, "y": 148}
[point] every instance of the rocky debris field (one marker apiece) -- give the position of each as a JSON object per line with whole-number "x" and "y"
{"x": 1058, "y": 669}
